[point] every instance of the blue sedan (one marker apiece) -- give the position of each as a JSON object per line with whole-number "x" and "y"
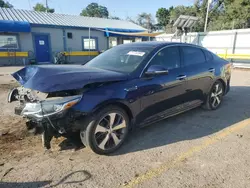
{"x": 128, "y": 86}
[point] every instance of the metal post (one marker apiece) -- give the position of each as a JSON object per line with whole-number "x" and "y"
{"x": 225, "y": 55}
{"x": 208, "y": 5}
{"x": 198, "y": 39}
{"x": 89, "y": 43}
{"x": 185, "y": 30}
{"x": 234, "y": 42}
{"x": 47, "y": 7}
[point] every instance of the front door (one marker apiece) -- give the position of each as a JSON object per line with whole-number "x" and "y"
{"x": 163, "y": 92}
{"x": 42, "y": 48}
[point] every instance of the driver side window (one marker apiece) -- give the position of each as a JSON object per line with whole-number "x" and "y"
{"x": 169, "y": 58}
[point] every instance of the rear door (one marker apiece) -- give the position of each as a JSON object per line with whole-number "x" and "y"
{"x": 199, "y": 72}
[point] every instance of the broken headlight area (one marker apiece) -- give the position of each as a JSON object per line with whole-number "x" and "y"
{"x": 54, "y": 115}
{"x": 49, "y": 107}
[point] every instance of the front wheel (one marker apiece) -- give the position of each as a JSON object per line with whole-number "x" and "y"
{"x": 107, "y": 131}
{"x": 215, "y": 96}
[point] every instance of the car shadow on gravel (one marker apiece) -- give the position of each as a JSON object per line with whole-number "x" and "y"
{"x": 63, "y": 182}
{"x": 72, "y": 142}
{"x": 193, "y": 124}
{"x": 25, "y": 184}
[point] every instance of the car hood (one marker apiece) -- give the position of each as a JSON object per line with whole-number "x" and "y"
{"x": 51, "y": 78}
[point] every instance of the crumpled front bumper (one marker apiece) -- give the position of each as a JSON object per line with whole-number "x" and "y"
{"x": 56, "y": 125}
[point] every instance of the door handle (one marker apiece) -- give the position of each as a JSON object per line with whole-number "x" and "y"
{"x": 211, "y": 70}
{"x": 181, "y": 77}
{"x": 131, "y": 89}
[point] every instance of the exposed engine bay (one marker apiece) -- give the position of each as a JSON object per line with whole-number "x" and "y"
{"x": 24, "y": 96}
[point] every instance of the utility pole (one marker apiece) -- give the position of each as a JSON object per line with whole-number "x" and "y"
{"x": 208, "y": 6}
{"x": 47, "y": 7}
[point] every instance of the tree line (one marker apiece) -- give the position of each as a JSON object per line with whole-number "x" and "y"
{"x": 223, "y": 14}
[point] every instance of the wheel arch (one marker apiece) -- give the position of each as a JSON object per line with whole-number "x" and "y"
{"x": 115, "y": 103}
{"x": 210, "y": 87}
{"x": 223, "y": 83}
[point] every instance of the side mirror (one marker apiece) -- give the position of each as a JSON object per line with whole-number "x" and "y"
{"x": 156, "y": 70}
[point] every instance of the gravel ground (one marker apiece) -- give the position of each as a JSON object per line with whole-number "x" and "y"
{"x": 196, "y": 149}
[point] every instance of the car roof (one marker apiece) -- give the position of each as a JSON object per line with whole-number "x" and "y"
{"x": 155, "y": 44}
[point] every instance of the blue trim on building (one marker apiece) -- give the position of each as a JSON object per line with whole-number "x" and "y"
{"x": 124, "y": 30}
{"x": 34, "y": 44}
{"x": 97, "y": 44}
{"x": 14, "y": 26}
{"x": 59, "y": 27}
{"x": 75, "y": 27}
{"x": 109, "y": 33}
{"x": 125, "y": 36}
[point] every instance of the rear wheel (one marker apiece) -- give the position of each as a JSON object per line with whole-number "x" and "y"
{"x": 107, "y": 131}
{"x": 215, "y": 96}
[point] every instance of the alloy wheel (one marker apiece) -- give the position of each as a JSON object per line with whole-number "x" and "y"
{"x": 216, "y": 95}
{"x": 110, "y": 131}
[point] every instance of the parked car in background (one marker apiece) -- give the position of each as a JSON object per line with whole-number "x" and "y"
{"x": 128, "y": 86}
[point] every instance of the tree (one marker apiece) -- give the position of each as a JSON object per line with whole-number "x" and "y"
{"x": 199, "y": 9}
{"x": 226, "y": 14}
{"x": 95, "y": 10}
{"x": 163, "y": 16}
{"x": 145, "y": 20}
{"x": 5, "y": 4}
{"x": 114, "y": 17}
{"x": 182, "y": 10}
{"x": 235, "y": 14}
{"x": 41, "y": 8}
{"x": 131, "y": 20}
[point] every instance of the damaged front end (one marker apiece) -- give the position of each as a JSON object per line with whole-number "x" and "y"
{"x": 52, "y": 112}
{"x": 51, "y": 97}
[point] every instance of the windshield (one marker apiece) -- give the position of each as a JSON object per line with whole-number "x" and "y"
{"x": 121, "y": 58}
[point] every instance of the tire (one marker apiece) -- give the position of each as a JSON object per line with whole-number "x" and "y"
{"x": 215, "y": 96}
{"x": 108, "y": 130}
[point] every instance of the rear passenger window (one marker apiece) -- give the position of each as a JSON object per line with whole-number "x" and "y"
{"x": 193, "y": 55}
{"x": 208, "y": 55}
